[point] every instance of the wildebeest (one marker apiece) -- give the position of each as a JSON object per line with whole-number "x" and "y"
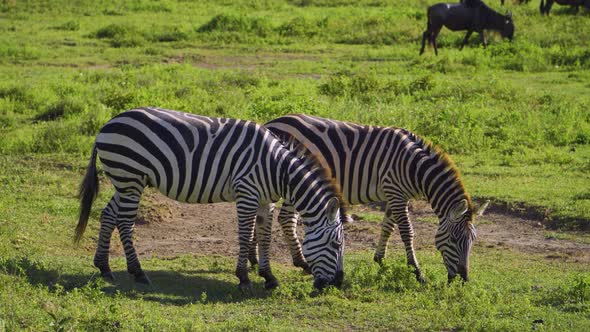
{"x": 545, "y": 6}
{"x": 473, "y": 15}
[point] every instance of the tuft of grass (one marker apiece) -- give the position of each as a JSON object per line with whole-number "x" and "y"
{"x": 69, "y": 26}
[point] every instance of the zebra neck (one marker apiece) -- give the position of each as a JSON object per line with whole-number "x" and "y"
{"x": 443, "y": 197}
{"x": 304, "y": 187}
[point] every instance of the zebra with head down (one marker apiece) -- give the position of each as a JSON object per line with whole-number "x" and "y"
{"x": 198, "y": 159}
{"x": 391, "y": 165}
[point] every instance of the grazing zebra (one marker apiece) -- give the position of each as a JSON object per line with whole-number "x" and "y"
{"x": 198, "y": 159}
{"x": 392, "y": 165}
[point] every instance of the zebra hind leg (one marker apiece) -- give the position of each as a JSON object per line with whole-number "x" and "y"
{"x": 108, "y": 222}
{"x": 128, "y": 206}
{"x": 246, "y": 211}
{"x": 263, "y": 231}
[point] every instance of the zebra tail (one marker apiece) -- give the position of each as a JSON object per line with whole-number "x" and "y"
{"x": 87, "y": 195}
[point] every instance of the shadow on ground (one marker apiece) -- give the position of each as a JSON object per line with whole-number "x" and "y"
{"x": 168, "y": 286}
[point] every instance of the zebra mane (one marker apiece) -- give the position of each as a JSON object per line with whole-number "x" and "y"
{"x": 432, "y": 150}
{"x": 314, "y": 162}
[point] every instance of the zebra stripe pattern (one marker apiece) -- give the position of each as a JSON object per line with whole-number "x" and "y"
{"x": 391, "y": 165}
{"x": 200, "y": 159}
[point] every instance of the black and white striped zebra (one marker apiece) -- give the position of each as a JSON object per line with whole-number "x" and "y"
{"x": 200, "y": 159}
{"x": 391, "y": 165}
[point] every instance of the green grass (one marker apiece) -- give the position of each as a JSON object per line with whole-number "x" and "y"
{"x": 62, "y": 290}
{"x": 514, "y": 117}
{"x": 46, "y": 282}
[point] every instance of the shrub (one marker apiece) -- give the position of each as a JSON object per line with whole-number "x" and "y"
{"x": 119, "y": 98}
{"x": 112, "y": 31}
{"x": 94, "y": 119}
{"x": 62, "y": 108}
{"x": 120, "y": 35}
{"x": 236, "y": 23}
{"x": 69, "y": 26}
{"x": 300, "y": 27}
{"x": 169, "y": 34}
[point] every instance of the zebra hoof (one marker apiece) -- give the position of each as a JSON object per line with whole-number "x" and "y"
{"x": 306, "y": 268}
{"x": 142, "y": 278}
{"x": 253, "y": 261}
{"x": 378, "y": 259}
{"x": 271, "y": 283}
{"x": 246, "y": 288}
{"x": 420, "y": 278}
{"x": 108, "y": 276}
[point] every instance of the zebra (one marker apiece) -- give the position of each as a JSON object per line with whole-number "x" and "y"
{"x": 199, "y": 159}
{"x": 391, "y": 165}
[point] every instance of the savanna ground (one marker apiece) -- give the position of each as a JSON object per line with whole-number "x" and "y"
{"x": 514, "y": 118}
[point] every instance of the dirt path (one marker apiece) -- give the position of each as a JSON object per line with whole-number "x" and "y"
{"x": 211, "y": 229}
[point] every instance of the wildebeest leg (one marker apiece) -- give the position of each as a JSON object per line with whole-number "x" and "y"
{"x": 469, "y": 32}
{"x": 548, "y": 5}
{"x": 424, "y": 36}
{"x": 542, "y": 7}
{"x": 483, "y": 38}
{"x": 433, "y": 36}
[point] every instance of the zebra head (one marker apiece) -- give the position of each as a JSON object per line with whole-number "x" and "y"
{"x": 323, "y": 245}
{"x": 455, "y": 237}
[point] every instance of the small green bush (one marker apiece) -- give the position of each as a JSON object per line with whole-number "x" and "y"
{"x": 64, "y": 107}
{"x": 69, "y": 26}
{"x": 112, "y": 31}
{"x": 237, "y": 23}
{"x": 119, "y": 98}
{"x": 94, "y": 119}
{"x": 300, "y": 27}
{"x": 120, "y": 35}
{"x": 168, "y": 34}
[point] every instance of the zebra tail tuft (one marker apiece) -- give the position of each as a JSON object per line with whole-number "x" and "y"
{"x": 87, "y": 195}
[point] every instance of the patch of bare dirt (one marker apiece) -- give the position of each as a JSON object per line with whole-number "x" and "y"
{"x": 249, "y": 62}
{"x": 169, "y": 228}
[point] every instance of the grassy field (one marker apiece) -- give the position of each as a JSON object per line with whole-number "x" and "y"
{"x": 515, "y": 117}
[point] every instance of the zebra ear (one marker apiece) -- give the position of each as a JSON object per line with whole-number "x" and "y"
{"x": 332, "y": 209}
{"x": 458, "y": 210}
{"x": 481, "y": 208}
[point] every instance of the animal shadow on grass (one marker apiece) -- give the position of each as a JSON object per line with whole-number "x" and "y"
{"x": 168, "y": 286}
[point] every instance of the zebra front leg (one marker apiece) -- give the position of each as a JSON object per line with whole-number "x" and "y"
{"x": 386, "y": 229}
{"x": 246, "y": 211}
{"x": 288, "y": 222}
{"x": 263, "y": 231}
{"x": 406, "y": 232}
{"x": 108, "y": 222}
{"x": 128, "y": 206}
